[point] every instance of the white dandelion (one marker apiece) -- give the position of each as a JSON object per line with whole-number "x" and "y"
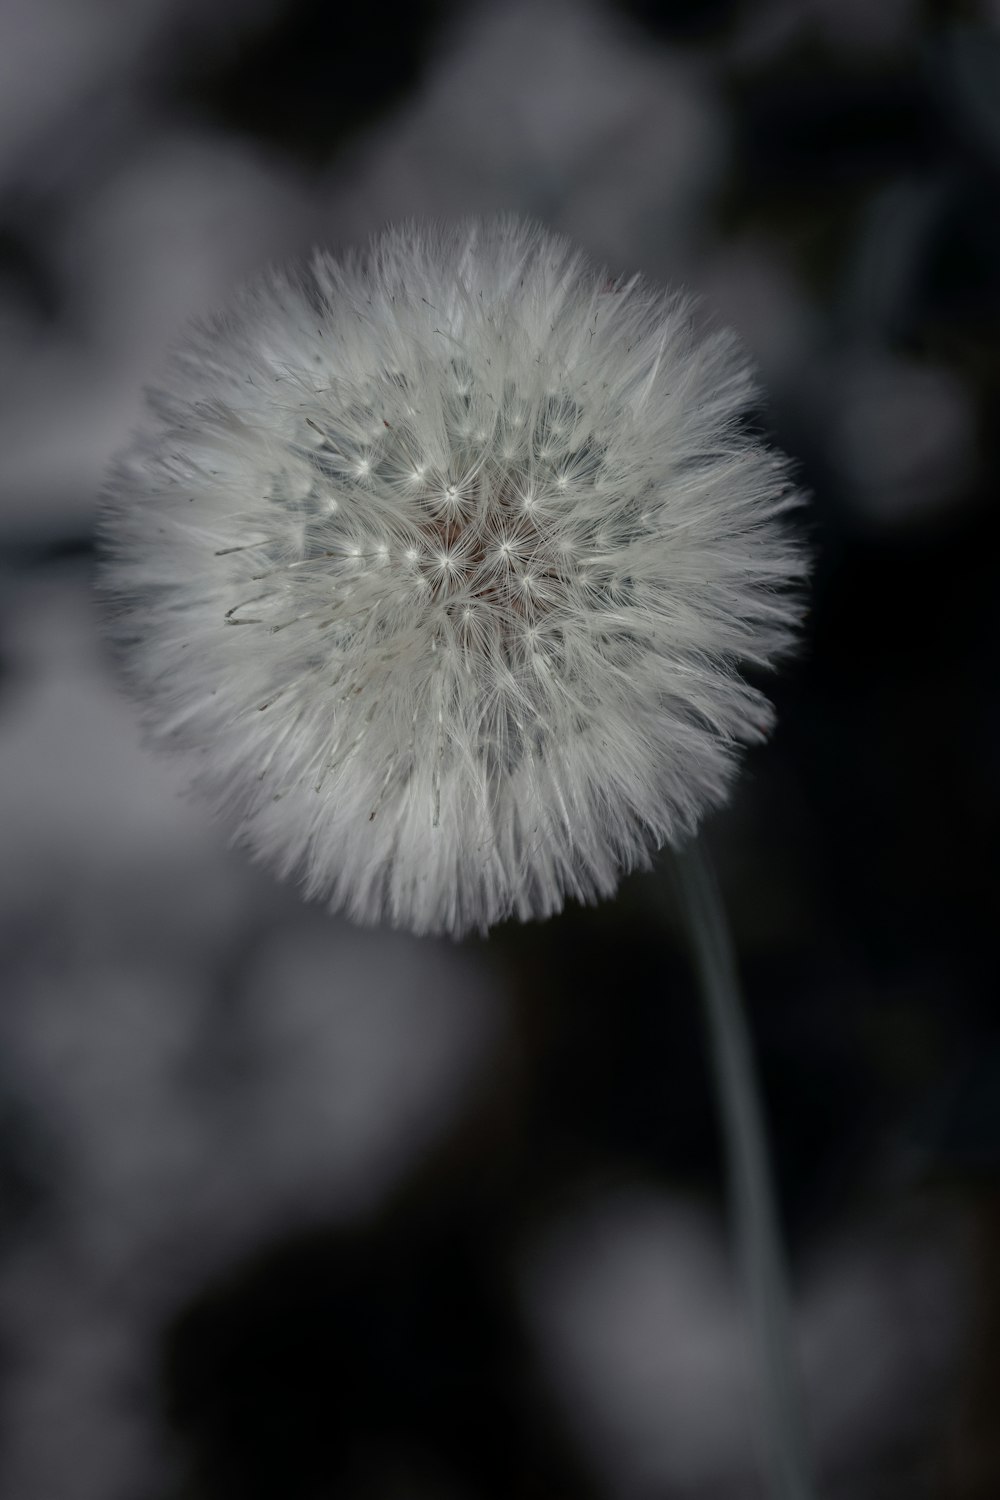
{"x": 443, "y": 563}
{"x": 443, "y": 560}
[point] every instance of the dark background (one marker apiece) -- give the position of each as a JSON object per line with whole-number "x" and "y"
{"x": 292, "y": 1209}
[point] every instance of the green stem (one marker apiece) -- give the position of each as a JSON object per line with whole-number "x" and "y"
{"x": 753, "y": 1204}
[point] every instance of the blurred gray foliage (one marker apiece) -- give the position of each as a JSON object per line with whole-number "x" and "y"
{"x": 192, "y": 1065}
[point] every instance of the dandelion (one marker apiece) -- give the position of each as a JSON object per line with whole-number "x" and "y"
{"x": 443, "y": 561}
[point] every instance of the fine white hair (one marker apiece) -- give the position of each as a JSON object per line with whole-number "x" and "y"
{"x": 443, "y": 559}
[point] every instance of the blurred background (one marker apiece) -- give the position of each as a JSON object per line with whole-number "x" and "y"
{"x": 292, "y": 1209}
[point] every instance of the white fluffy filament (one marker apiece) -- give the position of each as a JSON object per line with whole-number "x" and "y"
{"x": 443, "y": 561}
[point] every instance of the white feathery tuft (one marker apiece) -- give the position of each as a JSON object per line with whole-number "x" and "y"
{"x": 443, "y": 559}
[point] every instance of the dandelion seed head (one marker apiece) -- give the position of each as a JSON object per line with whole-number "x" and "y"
{"x": 443, "y": 561}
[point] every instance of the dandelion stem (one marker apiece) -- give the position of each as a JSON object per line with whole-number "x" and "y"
{"x": 752, "y": 1195}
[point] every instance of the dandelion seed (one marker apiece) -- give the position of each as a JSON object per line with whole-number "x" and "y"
{"x": 505, "y": 559}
